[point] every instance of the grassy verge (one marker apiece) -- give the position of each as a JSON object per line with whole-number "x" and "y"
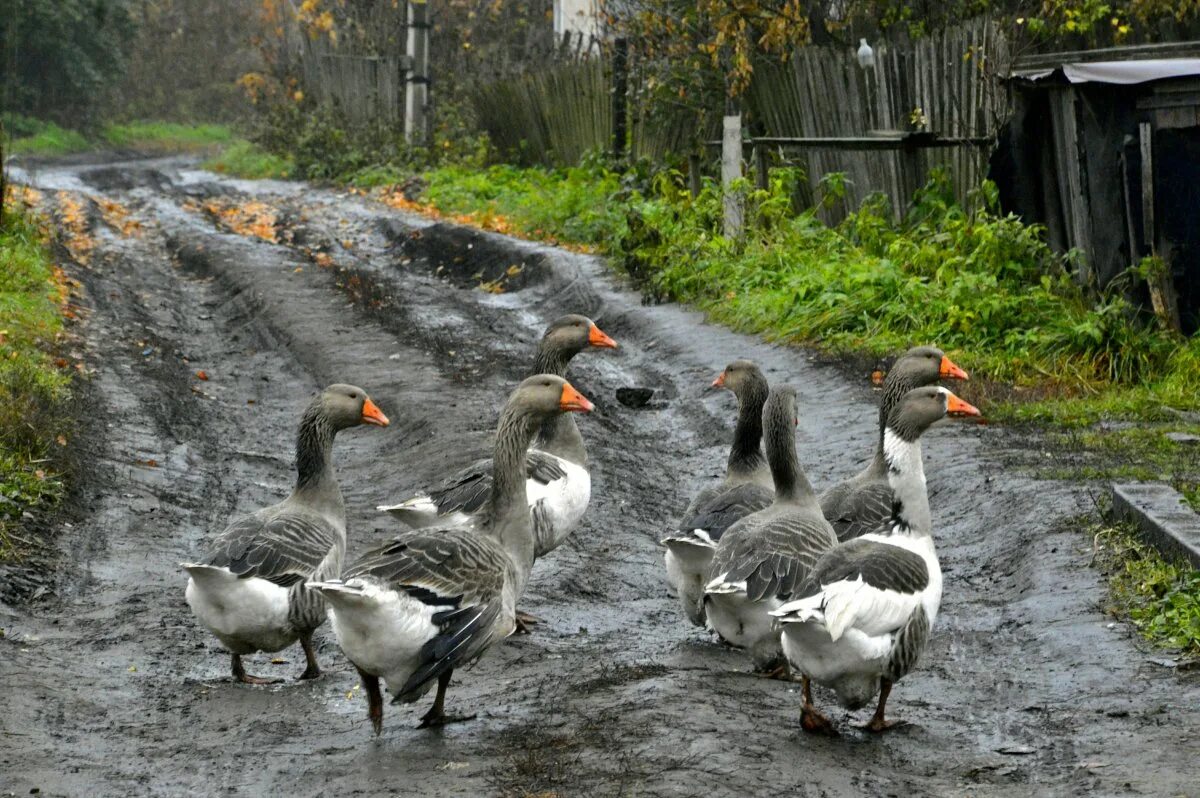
{"x": 244, "y": 159}
{"x": 1161, "y": 598}
{"x": 35, "y": 137}
{"x": 34, "y": 385}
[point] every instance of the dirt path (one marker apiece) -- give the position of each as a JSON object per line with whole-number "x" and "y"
{"x": 110, "y": 687}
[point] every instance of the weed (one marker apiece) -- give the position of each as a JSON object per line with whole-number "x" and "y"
{"x": 33, "y": 386}
{"x": 247, "y": 160}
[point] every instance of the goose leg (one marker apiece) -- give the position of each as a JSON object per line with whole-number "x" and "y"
{"x": 877, "y": 723}
{"x": 525, "y": 622}
{"x": 436, "y": 715}
{"x": 239, "y": 673}
{"x": 313, "y": 669}
{"x": 811, "y": 720}
{"x": 370, "y": 683}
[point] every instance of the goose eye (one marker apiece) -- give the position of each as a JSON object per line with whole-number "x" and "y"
{"x": 353, "y": 396}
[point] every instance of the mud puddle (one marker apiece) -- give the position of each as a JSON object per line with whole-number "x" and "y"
{"x": 273, "y": 290}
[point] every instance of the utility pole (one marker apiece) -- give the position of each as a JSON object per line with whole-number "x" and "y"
{"x": 731, "y": 167}
{"x": 416, "y": 97}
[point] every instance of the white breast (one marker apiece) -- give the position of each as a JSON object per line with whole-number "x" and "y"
{"x": 564, "y": 502}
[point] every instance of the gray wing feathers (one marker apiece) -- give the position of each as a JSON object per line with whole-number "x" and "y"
{"x": 909, "y": 644}
{"x": 285, "y": 549}
{"x": 467, "y": 490}
{"x": 774, "y": 559}
{"x": 879, "y": 565}
{"x": 725, "y": 508}
{"x": 855, "y": 510}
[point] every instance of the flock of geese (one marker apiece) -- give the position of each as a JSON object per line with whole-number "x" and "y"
{"x": 840, "y": 588}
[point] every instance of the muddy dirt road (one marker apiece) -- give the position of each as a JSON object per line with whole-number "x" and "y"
{"x": 111, "y": 688}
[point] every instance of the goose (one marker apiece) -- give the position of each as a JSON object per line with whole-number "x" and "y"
{"x": 432, "y": 600}
{"x": 863, "y": 617}
{"x": 558, "y": 485}
{"x": 746, "y": 488}
{"x": 250, "y": 590}
{"x": 764, "y": 557}
{"x": 863, "y": 503}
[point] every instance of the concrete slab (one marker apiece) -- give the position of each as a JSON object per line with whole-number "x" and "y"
{"x": 1163, "y": 517}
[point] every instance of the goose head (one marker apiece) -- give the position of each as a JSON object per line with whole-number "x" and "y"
{"x": 921, "y": 407}
{"x": 573, "y": 333}
{"x": 744, "y": 378}
{"x": 924, "y": 365}
{"x": 346, "y": 406}
{"x": 545, "y": 395}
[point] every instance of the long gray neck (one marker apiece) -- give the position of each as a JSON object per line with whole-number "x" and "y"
{"x": 897, "y": 384}
{"x": 560, "y": 434}
{"x": 315, "y": 480}
{"x": 906, "y": 476}
{"x": 507, "y": 512}
{"x": 791, "y": 485}
{"x": 745, "y": 455}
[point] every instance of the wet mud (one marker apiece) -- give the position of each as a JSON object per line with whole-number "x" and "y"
{"x": 111, "y": 688}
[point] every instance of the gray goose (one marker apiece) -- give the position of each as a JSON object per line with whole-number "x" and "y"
{"x": 862, "y": 618}
{"x": 764, "y": 557}
{"x": 250, "y": 590}
{"x": 746, "y": 488}
{"x": 417, "y": 607}
{"x": 558, "y": 484}
{"x": 863, "y": 503}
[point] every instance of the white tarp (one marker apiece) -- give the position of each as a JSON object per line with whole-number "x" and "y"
{"x": 1122, "y": 72}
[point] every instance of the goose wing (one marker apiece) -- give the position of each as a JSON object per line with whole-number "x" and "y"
{"x": 865, "y": 584}
{"x": 285, "y": 548}
{"x": 726, "y": 508}
{"x": 860, "y": 510}
{"x": 467, "y": 490}
{"x": 459, "y": 573}
{"x": 772, "y": 559}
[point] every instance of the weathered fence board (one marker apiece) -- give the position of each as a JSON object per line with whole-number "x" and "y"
{"x": 946, "y": 83}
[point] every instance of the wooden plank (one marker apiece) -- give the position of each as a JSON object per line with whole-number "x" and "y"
{"x": 1146, "y": 141}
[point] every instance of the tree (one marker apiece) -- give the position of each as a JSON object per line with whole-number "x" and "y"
{"x": 60, "y": 56}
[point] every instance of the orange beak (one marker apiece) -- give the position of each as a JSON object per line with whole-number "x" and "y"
{"x": 719, "y": 382}
{"x": 596, "y": 337}
{"x": 573, "y": 400}
{"x": 949, "y": 371}
{"x": 957, "y": 407}
{"x": 373, "y": 415}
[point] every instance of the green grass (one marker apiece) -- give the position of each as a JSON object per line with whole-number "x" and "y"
{"x": 166, "y": 136}
{"x": 49, "y": 139}
{"x": 246, "y": 160}
{"x": 33, "y": 389}
{"x": 35, "y": 137}
{"x": 1161, "y": 598}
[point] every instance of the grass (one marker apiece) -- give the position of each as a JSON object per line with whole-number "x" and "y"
{"x": 247, "y": 160}
{"x": 35, "y": 137}
{"x": 1161, "y": 598}
{"x": 34, "y": 385}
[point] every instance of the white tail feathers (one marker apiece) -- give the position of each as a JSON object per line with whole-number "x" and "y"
{"x": 801, "y": 611}
{"x": 720, "y": 586}
{"x": 338, "y": 592}
{"x": 420, "y": 505}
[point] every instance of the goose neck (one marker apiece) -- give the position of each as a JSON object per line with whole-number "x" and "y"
{"x": 745, "y": 455}
{"x": 315, "y": 480}
{"x": 791, "y": 484}
{"x": 508, "y": 509}
{"x": 906, "y": 476}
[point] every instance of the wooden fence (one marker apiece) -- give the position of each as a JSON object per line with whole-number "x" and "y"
{"x": 366, "y": 89}
{"x": 946, "y": 84}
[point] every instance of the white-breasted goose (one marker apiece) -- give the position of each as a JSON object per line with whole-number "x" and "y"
{"x": 250, "y": 590}
{"x": 863, "y": 503}
{"x": 746, "y": 488}
{"x": 558, "y": 484}
{"x": 413, "y": 609}
{"x": 863, "y": 617}
{"x": 767, "y": 555}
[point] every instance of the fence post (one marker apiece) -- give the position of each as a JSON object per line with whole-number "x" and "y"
{"x": 731, "y": 168}
{"x": 695, "y": 181}
{"x": 762, "y": 177}
{"x": 620, "y": 95}
{"x": 416, "y": 96}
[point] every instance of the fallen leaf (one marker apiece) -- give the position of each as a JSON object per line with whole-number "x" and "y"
{"x": 202, "y": 375}
{"x": 279, "y": 661}
{"x": 877, "y": 377}
{"x": 61, "y": 440}
{"x": 40, "y": 474}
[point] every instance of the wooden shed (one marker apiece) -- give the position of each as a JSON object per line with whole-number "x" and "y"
{"x": 1103, "y": 148}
